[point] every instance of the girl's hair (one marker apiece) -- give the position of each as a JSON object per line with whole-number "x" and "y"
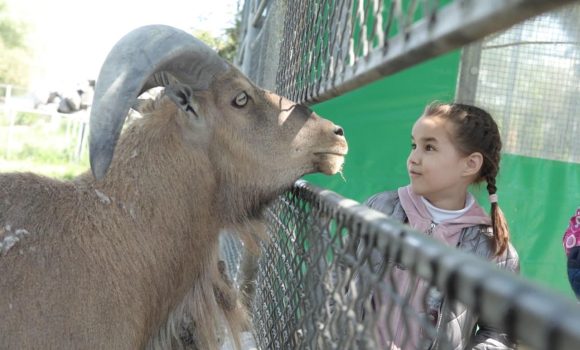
{"x": 476, "y": 131}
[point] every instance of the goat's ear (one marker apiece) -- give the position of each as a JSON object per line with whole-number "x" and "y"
{"x": 182, "y": 96}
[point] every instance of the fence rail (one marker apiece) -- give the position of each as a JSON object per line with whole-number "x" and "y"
{"x": 11, "y": 106}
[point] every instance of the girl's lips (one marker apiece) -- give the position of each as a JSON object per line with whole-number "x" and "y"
{"x": 413, "y": 174}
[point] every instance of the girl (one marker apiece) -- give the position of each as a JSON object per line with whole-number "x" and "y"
{"x": 453, "y": 147}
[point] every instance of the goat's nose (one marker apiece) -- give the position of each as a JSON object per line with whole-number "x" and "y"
{"x": 339, "y": 131}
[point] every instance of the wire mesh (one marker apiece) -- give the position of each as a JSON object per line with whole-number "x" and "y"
{"x": 232, "y": 250}
{"x": 258, "y": 59}
{"x": 327, "y": 281}
{"x": 322, "y": 38}
{"x": 329, "y": 47}
{"x": 528, "y": 77}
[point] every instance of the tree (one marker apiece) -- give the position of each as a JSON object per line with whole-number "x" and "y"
{"x": 231, "y": 40}
{"x": 226, "y": 45}
{"x": 16, "y": 52}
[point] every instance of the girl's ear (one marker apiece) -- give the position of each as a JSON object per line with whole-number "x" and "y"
{"x": 473, "y": 164}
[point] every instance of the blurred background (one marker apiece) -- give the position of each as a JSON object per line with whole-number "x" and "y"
{"x": 50, "y": 56}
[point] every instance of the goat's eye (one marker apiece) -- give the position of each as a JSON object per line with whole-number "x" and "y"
{"x": 241, "y": 100}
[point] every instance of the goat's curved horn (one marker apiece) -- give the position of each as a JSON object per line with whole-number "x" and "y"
{"x": 140, "y": 61}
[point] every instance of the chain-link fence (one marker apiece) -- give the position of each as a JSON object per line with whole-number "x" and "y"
{"x": 326, "y": 279}
{"x": 326, "y": 282}
{"x": 529, "y": 79}
{"x": 324, "y": 48}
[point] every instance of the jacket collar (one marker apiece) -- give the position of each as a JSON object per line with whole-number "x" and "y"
{"x": 420, "y": 219}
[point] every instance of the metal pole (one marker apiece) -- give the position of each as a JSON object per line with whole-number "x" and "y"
{"x": 259, "y": 12}
{"x": 466, "y": 91}
{"x": 275, "y": 25}
{"x": 251, "y": 34}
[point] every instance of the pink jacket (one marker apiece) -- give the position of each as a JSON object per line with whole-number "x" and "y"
{"x": 448, "y": 232}
{"x": 420, "y": 219}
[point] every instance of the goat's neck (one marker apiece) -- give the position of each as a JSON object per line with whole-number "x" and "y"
{"x": 243, "y": 189}
{"x": 166, "y": 189}
{"x": 156, "y": 167}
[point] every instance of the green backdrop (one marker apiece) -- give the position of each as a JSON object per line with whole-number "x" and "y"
{"x": 537, "y": 196}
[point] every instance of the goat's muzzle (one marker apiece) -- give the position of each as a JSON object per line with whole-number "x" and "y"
{"x": 329, "y": 158}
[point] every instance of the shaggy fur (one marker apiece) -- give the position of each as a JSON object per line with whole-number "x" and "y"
{"x": 131, "y": 261}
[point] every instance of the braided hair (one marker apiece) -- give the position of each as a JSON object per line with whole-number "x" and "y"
{"x": 476, "y": 131}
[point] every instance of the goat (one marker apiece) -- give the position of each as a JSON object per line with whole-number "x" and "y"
{"x": 126, "y": 256}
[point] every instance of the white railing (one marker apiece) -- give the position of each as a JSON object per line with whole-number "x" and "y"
{"x": 76, "y": 123}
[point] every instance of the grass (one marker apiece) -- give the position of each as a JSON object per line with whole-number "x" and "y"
{"x": 42, "y": 144}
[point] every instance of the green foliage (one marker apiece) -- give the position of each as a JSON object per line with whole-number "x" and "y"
{"x": 28, "y": 119}
{"x": 13, "y": 32}
{"x": 225, "y": 45}
{"x": 38, "y": 144}
{"x": 15, "y": 50}
{"x": 232, "y": 40}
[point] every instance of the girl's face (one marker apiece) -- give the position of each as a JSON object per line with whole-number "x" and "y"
{"x": 437, "y": 170}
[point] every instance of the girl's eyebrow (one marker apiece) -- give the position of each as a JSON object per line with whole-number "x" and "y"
{"x": 426, "y": 139}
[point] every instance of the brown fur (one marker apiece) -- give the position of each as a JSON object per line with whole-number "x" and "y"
{"x": 131, "y": 261}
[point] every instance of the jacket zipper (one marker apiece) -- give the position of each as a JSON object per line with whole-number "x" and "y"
{"x": 434, "y": 343}
{"x": 430, "y": 230}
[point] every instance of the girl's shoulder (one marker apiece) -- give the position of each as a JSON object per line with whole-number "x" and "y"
{"x": 382, "y": 199}
{"x": 479, "y": 241}
{"x": 388, "y": 203}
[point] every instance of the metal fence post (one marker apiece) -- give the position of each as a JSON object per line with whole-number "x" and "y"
{"x": 274, "y": 24}
{"x": 251, "y": 33}
{"x": 468, "y": 75}
{"x": 80, "y": 141}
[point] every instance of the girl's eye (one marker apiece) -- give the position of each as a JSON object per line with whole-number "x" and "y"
{"x": 429, "y": 148}
{"x": 240, "y": 100}
{"x": 413, "y": 146}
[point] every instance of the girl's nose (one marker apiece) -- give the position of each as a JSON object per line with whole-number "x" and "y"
{"x": 413, "y": 157}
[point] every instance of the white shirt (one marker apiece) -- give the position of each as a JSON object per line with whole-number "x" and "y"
{"x": 440, "y": 215}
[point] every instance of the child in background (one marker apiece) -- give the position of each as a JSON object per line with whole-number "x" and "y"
{"x": 571, "y": 243}
{"x": 453, "y": 147}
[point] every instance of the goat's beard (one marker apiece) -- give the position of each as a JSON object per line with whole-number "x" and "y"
{"x": 330, "y": 164}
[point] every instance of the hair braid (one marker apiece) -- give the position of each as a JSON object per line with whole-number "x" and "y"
{"x": 491, "y": 188}
{"x": 498, "y": 221}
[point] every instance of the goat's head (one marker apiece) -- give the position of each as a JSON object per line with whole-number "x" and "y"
{"x": 242, "y": 127}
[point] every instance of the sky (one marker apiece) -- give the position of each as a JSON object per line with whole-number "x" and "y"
{"x": 73, "y": 37}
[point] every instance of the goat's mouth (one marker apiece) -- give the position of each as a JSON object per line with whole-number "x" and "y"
{"x": 339, "y": 154}
{"x": 329, "y": 162}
